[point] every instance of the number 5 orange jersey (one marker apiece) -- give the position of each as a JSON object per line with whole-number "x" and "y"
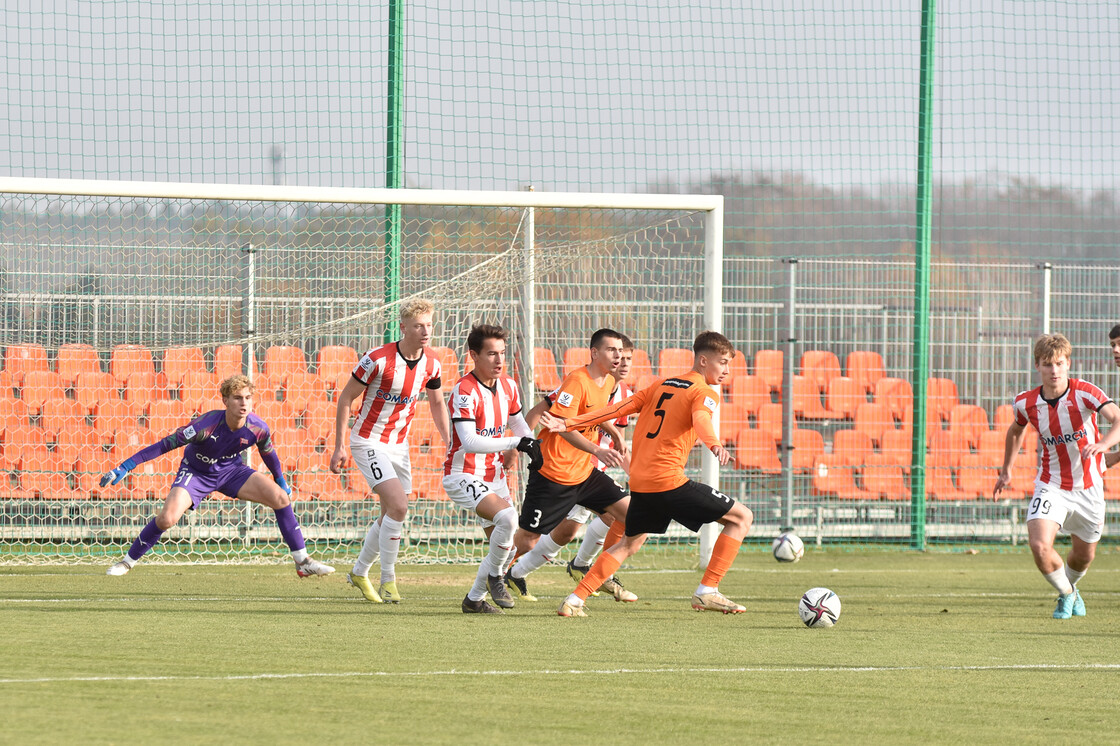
{"x": 672, "y": 414}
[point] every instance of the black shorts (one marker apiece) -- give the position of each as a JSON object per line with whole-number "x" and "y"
{"x": 692, "y": 504}
{"x": 547, "y": 503}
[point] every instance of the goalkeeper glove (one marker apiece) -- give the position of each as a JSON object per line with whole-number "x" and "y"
{"x": 284, "y": 485}
{"x": 532, "y": 448}
{"x": 116, "y": 475}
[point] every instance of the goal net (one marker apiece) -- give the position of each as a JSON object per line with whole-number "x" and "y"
{"x": 124, "y": 305}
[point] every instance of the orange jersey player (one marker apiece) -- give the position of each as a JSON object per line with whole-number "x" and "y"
{"x": 671, "y": 416}
{"x": 568, "y": 476}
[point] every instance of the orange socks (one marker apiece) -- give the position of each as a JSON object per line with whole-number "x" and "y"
{"x": 603, "y": 568}
{"x": 614, "y": 534}
{"x": 723, "y": 554}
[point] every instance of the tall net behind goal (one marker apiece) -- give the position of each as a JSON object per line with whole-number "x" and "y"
{"x": 120, "y": 316}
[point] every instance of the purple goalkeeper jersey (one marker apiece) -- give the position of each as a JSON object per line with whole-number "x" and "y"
{"x": 211, "y": 446}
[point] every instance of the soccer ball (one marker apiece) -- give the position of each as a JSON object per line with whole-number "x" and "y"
{"x": 819, "y": 607}
{"x": 788, "y": 548}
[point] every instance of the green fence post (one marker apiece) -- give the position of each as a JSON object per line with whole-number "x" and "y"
{"x": 394, "y": 156}
{"x": 924, "y": 212}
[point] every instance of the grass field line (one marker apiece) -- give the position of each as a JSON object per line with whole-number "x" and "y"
{"x": 574, "y": 672}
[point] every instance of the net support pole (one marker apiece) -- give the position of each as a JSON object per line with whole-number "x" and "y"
{"x": 713, "y": 321}
{"x": 922, "y": 250}
{"x": 394, "y": 155}
{"x": 787, "y": 396}
{"x": 529, "y": 309}
{"x": 248, "y": 357}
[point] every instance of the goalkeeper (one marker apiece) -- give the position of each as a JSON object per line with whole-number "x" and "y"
{"x": 211, "y": 462}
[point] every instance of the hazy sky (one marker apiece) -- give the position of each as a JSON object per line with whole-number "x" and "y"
{"x": 564, "y": 95}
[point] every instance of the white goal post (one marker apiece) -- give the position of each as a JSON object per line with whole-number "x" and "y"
{"x": 108, "y": 210}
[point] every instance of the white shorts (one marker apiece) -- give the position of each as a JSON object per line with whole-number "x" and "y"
{"x": 467, "y": 491}
{"x": 380, "y": 462}
{"x": 1077, "y": 512}
{"x": 580, "y": 514}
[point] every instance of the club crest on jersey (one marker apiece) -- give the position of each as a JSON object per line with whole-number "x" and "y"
{"x": 366, "y": 362}
{"x": 565, "y": 399}
{"x": 710, "y": 403}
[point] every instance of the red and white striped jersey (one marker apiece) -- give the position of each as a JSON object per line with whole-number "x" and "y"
{"x": 393, "y": 386}
{"x": 1065, "y": 425}
{"x": 621, "y": 392}
{"x": 489, "y": 409}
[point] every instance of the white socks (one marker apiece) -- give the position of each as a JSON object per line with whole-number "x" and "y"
{"x": 300, "y": 555}
{"x": 702, "y": 589}
{"x": 593, "y": 539}
{"x": 389, "y": 542}
{"x": 501, "y": 544}
{"x": 371, "y": 550}
{"x": 536, "y": 557}
{"x": 1073, "y": 575}
{"x": 1059, "y": 580}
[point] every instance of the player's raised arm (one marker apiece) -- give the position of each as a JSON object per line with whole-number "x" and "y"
{"x": 622, "y": 409}
{"x": 189, "y": 433}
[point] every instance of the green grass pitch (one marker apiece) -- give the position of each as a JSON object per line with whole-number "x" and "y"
{"x": 933, "y": 647}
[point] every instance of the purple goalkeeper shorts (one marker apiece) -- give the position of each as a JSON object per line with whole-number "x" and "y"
{"x": 228, "y": 480}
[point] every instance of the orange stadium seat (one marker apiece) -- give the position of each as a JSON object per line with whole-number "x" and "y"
{"x": 851, "y": 446}
{"x": 75, "y": 440}
{"x": 991, "y": 447}
{"x": 769, "y": 420}
{"x": 1005, "y": 415}
{"x": 941, "y": 393}
{"x": 164, "y": 417}
{"x": 808, "y": 445}
{"x": 180, "y": 361}
{"x": 545, "y": 377}
{"x": 94, "y": 388}
{"x": 58, "y": 414}
{"x": 769, "y": 366}
{"x": 940, "y": 485}
{"x": 832, "y": 476}
{"x": 449, "y": 366}
{"x": 22, "y": 359}
{"x": 873, "y": 419}
{"x": 947, "y": 448}
{"x": 865, "y": 368}
{"x": 40, "y": 386}
{"x": 898, "y": 396}
{"x": 198, "y": 392}
{"x": 114, "y": 414}
{"x": 318, "y": 421}
{"x": 129, "y": 440}
{"x": 749, "y": 392}
{"x": 334, "y": 361}
{"x": 820, "y": 366}
{"x": 646, "y": 381}
{"x": 844, "y": 395}
{"x": 229, "y": 360}
{"x": 896, "y": 446}
{"x": 756, "y": 451}
{"x": 673, "y": 361}
{"x": 281, "y": 361}
{"x": 319, "y": 482}
{"x": 17, "y": 438}
{"x": 575, "y": 357}
{"x": 266, "y": 388}
{"x": 275, "y": 415}
{"x": 640, "y": 366}
{"x": 969, "y": 420}
{"x": 13, "y": 412}
{"x": 128, "y": 359}
{"x": 807, "y": 400}
{"x": 739, "y": 365}
{"x": 144, "y": 388}
{"x": 974, "y": 478}
{"x": 73, "y": 359}
{"x": 884, "y": 480}
{"x": 732, "y": 418}
{"x": 1111, "y": 484}
{"x": 47, "y": 485}
{"x": 300, "y": 390}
